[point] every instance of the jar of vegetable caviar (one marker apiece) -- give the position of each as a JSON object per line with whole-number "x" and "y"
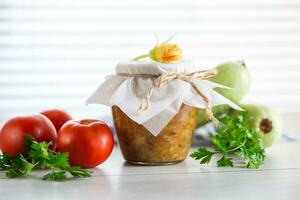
{"x": 155, "y": 106}
{"x": 172, "y": 144}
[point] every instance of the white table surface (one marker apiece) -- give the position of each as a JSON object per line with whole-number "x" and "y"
{"x": 278, "y": 178}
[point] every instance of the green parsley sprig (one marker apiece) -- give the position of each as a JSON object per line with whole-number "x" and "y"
{"x": 41, "y": 157}
{"x": 234, "y": 138}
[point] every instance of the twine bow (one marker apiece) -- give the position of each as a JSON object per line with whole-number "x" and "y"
{"x": 187, "y": 77}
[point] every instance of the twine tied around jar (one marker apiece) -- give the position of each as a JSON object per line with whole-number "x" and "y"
{"x": 171, "y": 75}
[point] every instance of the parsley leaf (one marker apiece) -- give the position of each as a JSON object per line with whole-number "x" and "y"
{"x": 224, "y": 162}
{"x": 203, "y": 155}
{"x": 39, "y": 153}
{"x": 5, "y": 162}
{"x": 58, "y": 176}
{"x": 59, "y": 160}
{"x": 234, "y": 137}
{"x": 78, "y": 172}
{"x": 19, "y": 167}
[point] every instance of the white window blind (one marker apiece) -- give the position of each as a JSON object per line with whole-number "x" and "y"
{"x": 53, "y": 54}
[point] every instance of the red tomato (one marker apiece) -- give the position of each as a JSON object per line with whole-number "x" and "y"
{"x": 88, "y": 142}
{"x": 57, "y": 117}
{"x": 13, "y": 132}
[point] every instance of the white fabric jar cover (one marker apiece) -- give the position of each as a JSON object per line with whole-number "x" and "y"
{"x": 128, "y": 92}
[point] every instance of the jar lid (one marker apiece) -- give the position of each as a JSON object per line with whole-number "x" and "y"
{"x": 154, "y": 68}
{"x": 129, "y": 93}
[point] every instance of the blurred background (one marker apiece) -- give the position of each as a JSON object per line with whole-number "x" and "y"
{"x": 54, "y": 53}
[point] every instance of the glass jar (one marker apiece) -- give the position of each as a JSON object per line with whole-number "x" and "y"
{"x": 170, "y": 146}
